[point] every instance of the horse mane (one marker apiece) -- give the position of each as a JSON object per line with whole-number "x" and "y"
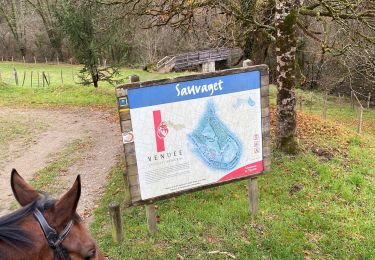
{"x": 11, "y": 233}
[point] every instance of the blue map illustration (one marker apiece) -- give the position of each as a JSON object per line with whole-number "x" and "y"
{"x": 241, "y": 101}
{"x": 214, "y": 143}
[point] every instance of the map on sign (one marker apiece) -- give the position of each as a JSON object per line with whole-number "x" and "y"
{"x": 195, "y": 133}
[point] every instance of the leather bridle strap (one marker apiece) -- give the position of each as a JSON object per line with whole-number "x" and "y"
{"x": 53, "y": 238}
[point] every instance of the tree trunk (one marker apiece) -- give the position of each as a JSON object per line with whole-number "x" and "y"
{"x": 286, "y": 121}
{"x": 95, "y": 78}
{"x": 22, "y": 49}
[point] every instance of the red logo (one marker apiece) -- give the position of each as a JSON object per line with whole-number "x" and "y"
{"x": 161, "y": 131}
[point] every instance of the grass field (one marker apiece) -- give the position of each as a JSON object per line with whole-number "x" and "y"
{"x": 316, "y": 205}
{"x": 311, "y": 206}
{"x": 58, "y": 93}
{"x": 45, "y": 178}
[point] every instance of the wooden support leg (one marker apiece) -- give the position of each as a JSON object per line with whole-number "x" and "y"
{"x": 116, "y": 224}
{"x": 253, "y": 196}
{"x": 151, "y": 218}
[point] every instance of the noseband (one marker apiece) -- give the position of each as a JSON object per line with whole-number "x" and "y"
{"x": 53, "y": 238}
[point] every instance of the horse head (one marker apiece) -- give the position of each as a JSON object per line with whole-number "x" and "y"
{"x": 52, "y": 229}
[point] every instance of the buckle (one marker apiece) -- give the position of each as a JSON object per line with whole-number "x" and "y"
{"x": 52, "y": 238}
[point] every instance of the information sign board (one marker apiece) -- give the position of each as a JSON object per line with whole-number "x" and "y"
{"x": 194, "y": 132}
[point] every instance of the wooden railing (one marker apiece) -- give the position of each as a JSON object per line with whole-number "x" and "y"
{"x": 189, "y": 59}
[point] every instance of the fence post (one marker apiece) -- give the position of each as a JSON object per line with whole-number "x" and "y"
{"x": 369, "y": 100}
{"x": 116, "y": 224}
{"x": 151, "y": 218}
{"x": 46, "y": 59}
{"x": 24, "y": 76}
{"x": 360, "y": 120}
{"x": 34, "y": 60}
{"x": 62, "y": 79}
{"x": 325, "y": 106}
{"x": 57, "y": 58}
{"x": 15, "y": 76}
{"x": 252, "y": 185}
{"x": 150, "y": 208}
{"x": 43, "y": 77}
{"x": 23, "y": 58}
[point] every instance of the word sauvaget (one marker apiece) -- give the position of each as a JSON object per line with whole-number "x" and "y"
{"x": 197, "y": 89}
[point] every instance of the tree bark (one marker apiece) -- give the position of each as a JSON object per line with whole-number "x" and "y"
{"x": 286, "y": 121}
{"x": 95, "y": 79}
{"x": 256, "y": 48}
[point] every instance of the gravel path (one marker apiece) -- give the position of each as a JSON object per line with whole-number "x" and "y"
{"x": 65, "y": 126}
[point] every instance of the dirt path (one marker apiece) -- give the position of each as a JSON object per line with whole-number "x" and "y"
{"x": 63, "y": 127}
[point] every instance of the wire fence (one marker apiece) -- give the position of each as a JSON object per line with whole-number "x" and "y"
{"x": 323, "y": 104}
{"x": 44, "y": 60}
{"x": 36, "y": 77}
{"x": 41, "y": 76}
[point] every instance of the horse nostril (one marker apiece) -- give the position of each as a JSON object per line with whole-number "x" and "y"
{"x": 91, "y": 254}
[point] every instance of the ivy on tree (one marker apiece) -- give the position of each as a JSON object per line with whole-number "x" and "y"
{"x": 78, "y": 22}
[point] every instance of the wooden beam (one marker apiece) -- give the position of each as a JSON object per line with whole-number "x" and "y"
{"x": 151, "y": 218}
{"x": 116, "y": 224}
{"x": 253, "y": 196}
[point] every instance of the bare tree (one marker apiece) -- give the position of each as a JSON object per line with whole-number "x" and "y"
{"x": 258, "y": 18}
{"x": 13, "y": 13}
{"x": 45, "y": 9}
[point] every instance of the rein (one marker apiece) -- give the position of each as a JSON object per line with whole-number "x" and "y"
{"x": 53, "y": 238}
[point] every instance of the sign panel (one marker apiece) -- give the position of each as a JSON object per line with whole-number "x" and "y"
{"x": 195, "y": 133}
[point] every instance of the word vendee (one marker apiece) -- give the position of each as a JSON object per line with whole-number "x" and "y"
{"x": 162, "y": 156}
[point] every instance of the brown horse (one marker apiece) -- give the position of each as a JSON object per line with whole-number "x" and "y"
{"x": 45, "y": 228}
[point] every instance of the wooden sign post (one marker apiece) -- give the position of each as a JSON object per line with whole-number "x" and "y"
{"x": 194, "y": 132}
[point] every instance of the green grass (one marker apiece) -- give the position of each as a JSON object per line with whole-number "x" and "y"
{"x": 338, "y": 110}
{"x": 45, "y": 179}
{"x": 68, "y": 93}
{"x": 309, "y": 207}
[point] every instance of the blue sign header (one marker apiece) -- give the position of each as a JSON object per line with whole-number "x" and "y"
{"x": 186, "y": 90}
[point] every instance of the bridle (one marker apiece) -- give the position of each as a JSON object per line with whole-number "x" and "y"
{"x": 54, "y": 239}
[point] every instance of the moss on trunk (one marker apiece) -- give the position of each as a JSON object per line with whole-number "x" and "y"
{"x": 286, "y": 120}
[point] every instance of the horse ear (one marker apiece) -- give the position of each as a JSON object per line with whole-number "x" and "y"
{"x": 66, "y": 207}
{"x": 23, "y": 191}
